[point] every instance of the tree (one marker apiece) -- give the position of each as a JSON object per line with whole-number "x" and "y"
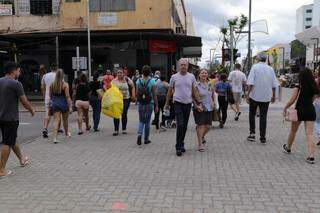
{"x": 238, "y": 24}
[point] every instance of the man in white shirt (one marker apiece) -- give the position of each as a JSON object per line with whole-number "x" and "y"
{"x": 237, "y": 80}
{"x": 46, "y": 82}
{"x": 262, "y": 83}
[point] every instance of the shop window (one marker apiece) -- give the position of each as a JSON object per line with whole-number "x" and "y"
{"x": 307, "y": 27}
{"x": 112, "y": 5}
{"x": 73, "y": 0}
{"x": 41, "y": 7}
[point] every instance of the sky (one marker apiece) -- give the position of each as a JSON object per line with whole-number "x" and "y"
{"x": 210, "y": 15}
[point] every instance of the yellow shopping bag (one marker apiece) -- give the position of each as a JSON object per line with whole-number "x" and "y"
{"x": 112, "y": 103}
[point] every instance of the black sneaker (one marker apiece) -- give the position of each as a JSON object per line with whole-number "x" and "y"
{"x": 251, "y": 138}
{"x": 311, "y": 160}
{"x": 60, "y": 131}
{"x": 45, "y": 133}
{"x": 318, "y": 144}
{"x": 115, "y": 134}
{"x": 263, "y": 140}
{"x": 139, "y": 141}
{"x": 183, "y": 150}
{"x": 147, "y": 142}
{"x": 179, "y": 153}
{"x": 286, "y": 149}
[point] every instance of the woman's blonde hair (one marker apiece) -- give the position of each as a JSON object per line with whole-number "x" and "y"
{"x": 58, "y": 82}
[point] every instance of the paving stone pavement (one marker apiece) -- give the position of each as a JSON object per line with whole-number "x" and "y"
{"x": 102, "y": 173}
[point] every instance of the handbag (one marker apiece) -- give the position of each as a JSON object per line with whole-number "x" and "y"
{"x": 291, "y": 115}
{"x": 215, "y": 115}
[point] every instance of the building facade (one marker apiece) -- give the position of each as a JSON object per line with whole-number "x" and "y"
{"x": 127, "y": 33}
{"x": 304, "y": 18}
{"x": 310, "y": 36}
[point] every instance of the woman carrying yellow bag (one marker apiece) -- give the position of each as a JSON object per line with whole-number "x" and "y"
{"x": 112, "y": 103}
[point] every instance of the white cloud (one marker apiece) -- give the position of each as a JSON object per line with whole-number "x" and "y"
{"x": 210, "y": 15}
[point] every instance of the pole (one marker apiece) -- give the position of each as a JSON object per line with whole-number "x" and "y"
{"x": 317, "y": 52}
{"x": 89, "y": 38}
{"x": 249, "y": 37}
{"x": 78, "y": 58}
{"x": 231, "y": 47}
{"x": 57, "y": 51}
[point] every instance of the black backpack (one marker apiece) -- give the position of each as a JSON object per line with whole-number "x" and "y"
{"x": 144, "y": 95}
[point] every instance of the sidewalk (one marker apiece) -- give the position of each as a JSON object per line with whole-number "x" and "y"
{"x": 102, "y": 173}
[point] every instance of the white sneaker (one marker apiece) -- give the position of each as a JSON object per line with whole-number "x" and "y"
{"x": 56, "y": 141}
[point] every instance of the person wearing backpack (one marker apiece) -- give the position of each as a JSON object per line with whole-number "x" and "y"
{"x": 162, "y": 91}
{"x": 147, "y": 102}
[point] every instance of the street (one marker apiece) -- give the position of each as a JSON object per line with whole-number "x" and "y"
{"x": 102, "y": 173}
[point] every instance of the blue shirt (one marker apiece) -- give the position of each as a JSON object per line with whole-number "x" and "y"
{"x": 222, "y": 88}
{"x": 150, "y": 85}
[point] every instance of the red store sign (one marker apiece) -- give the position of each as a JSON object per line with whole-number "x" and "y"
{"x": 159, "y": 46}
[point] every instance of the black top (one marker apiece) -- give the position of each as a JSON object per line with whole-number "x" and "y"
{"x": 94, "y": 86}
{"x": 305, "y": 98}
{"x": 83, "y": 91}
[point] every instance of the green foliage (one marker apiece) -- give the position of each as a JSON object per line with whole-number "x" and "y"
{"x": 238, "y": 24}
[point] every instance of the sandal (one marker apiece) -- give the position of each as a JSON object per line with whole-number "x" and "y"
{"x": 201, "y": 149}
{"x": 26, "y": 162}
{"x": 9, "y": 174}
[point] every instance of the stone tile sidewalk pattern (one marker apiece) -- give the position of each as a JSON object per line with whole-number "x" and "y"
{"x": 101, "y": 173}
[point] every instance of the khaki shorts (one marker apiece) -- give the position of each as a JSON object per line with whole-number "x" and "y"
{"x": 47, "y": 108}
{"x": 237, "y": 98}
{"x": 82, "y": 104}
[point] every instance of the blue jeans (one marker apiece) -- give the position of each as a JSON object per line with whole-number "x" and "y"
{"x": 182, "y": 112}
{"x": 96, "y": 112}
{"x": 124, "y": 117}
{"x": 145, "y": 113}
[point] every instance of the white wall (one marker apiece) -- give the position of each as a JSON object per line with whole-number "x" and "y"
{"x": 301, "y": 18}
{"x": 316, "y": 13}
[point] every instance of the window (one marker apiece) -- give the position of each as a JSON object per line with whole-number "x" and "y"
{"x": 307, "y": 27}
{"x": 73, "y": 0}
{"x": 41, "y": 7}
{"x": 309, "y": 11}
{"x": 308, "y": 19}
{"x": 112, "y": 5}
{"x": 23, "y": 7}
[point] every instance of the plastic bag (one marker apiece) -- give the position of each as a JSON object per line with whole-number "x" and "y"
{"x": 112, "y": 103}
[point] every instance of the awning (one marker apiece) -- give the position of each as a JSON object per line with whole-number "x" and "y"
{"x": 111, "y": 36}
{"x": 309, "y": 36}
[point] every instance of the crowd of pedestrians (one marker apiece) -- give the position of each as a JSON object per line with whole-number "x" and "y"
{"x": 174, "y": 101}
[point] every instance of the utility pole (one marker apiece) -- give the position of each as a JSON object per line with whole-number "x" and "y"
{"x": 231, "y": 47}
{"x": 57, "y": 51}
{"x": 249, "y": 38}
{"x": 89, "y": 38}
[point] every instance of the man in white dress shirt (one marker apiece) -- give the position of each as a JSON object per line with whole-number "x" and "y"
{"x": 262, "y": 83}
